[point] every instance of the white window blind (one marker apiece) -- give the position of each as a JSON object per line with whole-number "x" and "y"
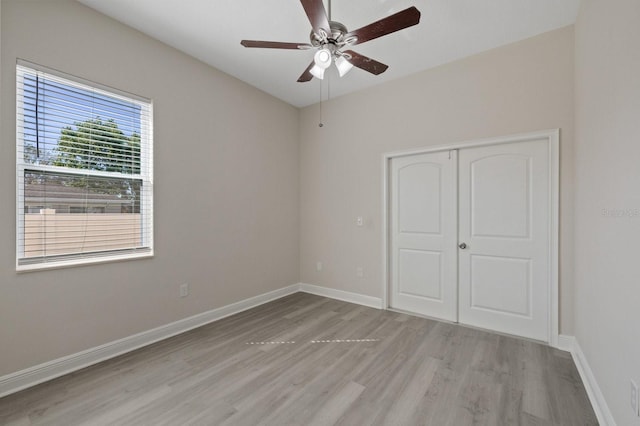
{"x": 84, "y": 171}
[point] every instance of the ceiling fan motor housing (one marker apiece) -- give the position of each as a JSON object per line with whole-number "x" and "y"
{"x": 334, "y": 41}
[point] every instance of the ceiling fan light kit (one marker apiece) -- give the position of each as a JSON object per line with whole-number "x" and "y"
{"x": 322, "y": 61}
{"x": 343, "y": 65}
{"x": 330, "y": 38}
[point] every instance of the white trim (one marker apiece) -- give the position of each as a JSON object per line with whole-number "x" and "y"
{"x": 566, "y": 343}
{"x": 386, "y": 279}
{"x": 554, "y": 236}
{"x": 520, "y": 137}
{"x": 32, "y": 376}
{"x": 83, "y": 261}
{"x": 553, "y": 137}
{"x": 23, "y": 379}
{"x": 345, "y": 296}
{"x": 599, "y": 404}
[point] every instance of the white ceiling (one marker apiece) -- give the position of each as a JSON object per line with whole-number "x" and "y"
{"x": 211, "y": 30}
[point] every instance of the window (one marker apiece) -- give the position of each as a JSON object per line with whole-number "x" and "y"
{"x": 84, "y": 171}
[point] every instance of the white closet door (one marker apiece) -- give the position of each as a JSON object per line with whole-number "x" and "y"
{"x": 423, "y": 234}
{"x": 504, "y": 222}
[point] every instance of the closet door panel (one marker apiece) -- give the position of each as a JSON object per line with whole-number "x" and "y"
{"x": 504, "y": 223}
{"x": 423, "y": 234}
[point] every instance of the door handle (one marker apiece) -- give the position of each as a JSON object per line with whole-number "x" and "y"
{"x": 462, "y": 246}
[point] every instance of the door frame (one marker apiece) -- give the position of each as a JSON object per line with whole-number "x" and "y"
{"x": 553, "y": 139}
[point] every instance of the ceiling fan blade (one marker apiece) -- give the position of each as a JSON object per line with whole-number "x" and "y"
{"x": 275, "y": 44}
{"x": 306, "y": 75}
{"x": 388, "y": 25}
{"x": 317, "y": 15}
{"x": 365, "y": 63}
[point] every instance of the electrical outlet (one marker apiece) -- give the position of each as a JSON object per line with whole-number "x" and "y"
{"x": 318, "y": 266}
{"x": 359, "y": 272}
{"x": 634, "y": 398}
{"x": 184, "y": 290}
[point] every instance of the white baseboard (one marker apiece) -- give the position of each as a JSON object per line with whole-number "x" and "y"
{"x": 600, "y": 407}
{"x": 23, "y": 379}
{"x": 566, "y": 343}
{"x": 32, "y": 376}
{"x": 345, "y": 296}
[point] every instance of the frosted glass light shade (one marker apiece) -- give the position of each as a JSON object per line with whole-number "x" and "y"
{"x": 322, "y": 61}
{"x": 322, "y": 58}
{"x": 317, "y": 72}
{"x": 343, "y": 66}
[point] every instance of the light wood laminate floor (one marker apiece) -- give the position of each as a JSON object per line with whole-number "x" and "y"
{"x": 309, "y": 360}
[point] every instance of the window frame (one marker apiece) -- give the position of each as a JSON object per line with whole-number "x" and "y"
{"x": 146, "y": 176}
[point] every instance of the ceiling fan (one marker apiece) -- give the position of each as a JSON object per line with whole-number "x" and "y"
{"x": 331, "y": 38}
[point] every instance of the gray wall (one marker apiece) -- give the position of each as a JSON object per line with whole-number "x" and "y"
{"x": 226, "y": 190}
{"x": 521, "y": 87}
{"x": 607, "y": 197}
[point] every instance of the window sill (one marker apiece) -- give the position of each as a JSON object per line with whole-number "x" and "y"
{"x": 81, "y": 262}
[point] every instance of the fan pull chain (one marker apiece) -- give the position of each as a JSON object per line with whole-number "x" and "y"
{"x": 320, "y": 124}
